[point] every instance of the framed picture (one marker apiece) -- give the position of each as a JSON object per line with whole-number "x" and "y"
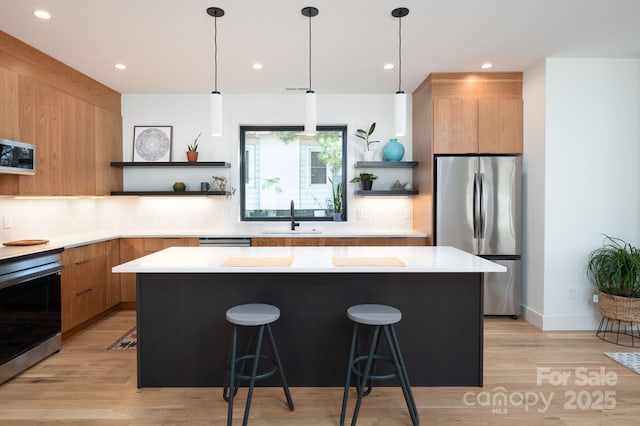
{"x": 152, "y": 143}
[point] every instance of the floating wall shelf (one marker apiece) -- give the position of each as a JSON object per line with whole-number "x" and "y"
{"x": 221, "y": 164}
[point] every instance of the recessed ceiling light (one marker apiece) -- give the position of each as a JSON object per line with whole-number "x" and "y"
{"x": 486, "y": 65}
{"x": 388, "y": 66}
{"x": 121, "y": 66}
{"x": 256, "y": 66}
{"x": 42, "y": 14}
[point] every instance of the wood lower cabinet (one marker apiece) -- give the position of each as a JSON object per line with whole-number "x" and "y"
{"x": 133, "y": 248}
{"x": 84, "y": 284}
{"x": 349, "y": 241}
{"x": 112, "y": 294}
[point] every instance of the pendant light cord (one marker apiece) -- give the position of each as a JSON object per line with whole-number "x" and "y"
{"x": 215, "y": 47}
{"x": 309, "y": 52}
{"x": 400, "y": 54}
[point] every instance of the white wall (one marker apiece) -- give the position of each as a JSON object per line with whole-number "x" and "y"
{"x": 590, "y": 176}
{"x": 533, "y": 193}
{"x": 188, "y": 114}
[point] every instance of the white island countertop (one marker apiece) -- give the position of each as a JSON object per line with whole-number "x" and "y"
{"x": 309, "y": 260}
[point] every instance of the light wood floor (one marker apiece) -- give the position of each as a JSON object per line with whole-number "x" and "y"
{"x": 85, "y": 384}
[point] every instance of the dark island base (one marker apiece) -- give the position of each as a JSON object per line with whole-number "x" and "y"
{"x": 183, "y": 337}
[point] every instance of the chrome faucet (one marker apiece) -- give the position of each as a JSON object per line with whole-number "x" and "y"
{"x": 293, "y": 218}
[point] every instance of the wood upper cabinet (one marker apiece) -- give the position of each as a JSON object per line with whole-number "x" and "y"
{"x": 83, "y": 286}
{"x": 455, "y": 125}
{"x": 500, "y": 125}
{"x": 78, "y": 159}
{"x": 108, "y": 148}
{"x": 473, "y": 113}
{"x": 477, "y": 125}
{"x": 41, "y": 123}
{"x": 9, "y": 121}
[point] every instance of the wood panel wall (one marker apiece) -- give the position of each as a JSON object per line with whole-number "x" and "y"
{"x": 74, "y": 121}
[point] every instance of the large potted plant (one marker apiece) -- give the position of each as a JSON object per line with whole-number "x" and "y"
{"x": 614, "y": 269}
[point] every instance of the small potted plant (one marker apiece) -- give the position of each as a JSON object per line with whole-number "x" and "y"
{"x": 338, "y": 197}
{"x": 365, "y": 135}
{"x": 192, "y": 150}
{"x": 366, "y": 180}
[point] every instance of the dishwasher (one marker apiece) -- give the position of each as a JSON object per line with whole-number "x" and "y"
{"x": 224, "y": 242}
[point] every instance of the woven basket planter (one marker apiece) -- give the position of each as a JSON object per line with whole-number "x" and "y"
{"x": 625, "y": 309}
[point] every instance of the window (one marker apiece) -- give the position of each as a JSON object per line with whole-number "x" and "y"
{"x": 281, "y": 164}
{"x": 317, "y": 169}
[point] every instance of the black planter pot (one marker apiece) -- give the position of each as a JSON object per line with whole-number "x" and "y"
{"x": 366, "y": 185}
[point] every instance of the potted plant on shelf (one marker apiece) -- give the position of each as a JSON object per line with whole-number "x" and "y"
{"x": 338, "y": 196}
{"x": 366, "y": 180}
{"x": 365, "y": 135}
{"x": 192, "y": 150}
{"x": 614, "y": 269}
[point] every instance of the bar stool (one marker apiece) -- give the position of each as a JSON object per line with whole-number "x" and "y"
{"x": 260, "y": 316}
{"x": 378, "y": 316}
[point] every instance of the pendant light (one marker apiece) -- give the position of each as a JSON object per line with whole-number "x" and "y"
{"x": 400, "y": 110}
{"x": 216, "y": 96}
{"x": 310, "y": 96}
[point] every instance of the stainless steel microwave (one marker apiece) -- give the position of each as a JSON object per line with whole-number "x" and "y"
{"x": 17, "y": 157}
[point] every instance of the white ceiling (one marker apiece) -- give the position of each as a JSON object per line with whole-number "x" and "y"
{"x": 167, "y": 45}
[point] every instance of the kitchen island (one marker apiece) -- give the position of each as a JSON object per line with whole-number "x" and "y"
{"x": 184, "y": 292}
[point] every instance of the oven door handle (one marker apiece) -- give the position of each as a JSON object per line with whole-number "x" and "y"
{"x": 18, "y": 277}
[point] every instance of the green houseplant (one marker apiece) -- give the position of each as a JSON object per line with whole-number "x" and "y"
{"x": 614, "y": 269}
{"x": 365, "y": 135}
{"x": 365, "y": 179}
{"x": 338, "y": 197}
{"x": 192, "y": 150}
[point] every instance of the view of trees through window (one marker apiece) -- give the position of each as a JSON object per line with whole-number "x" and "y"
{"x": 281, "y": 164}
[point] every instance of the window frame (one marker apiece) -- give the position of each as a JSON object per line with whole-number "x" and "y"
{"x": 277, "y": 128}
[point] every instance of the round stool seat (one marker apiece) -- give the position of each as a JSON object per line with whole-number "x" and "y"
{"x": 253, "y": 314}
{"x": 374, "y": 314}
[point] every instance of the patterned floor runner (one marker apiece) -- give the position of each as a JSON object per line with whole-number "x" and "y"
{"x": 630, "y": 360}
{"x": 128, "y": 341}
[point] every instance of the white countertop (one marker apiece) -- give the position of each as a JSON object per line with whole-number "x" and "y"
{"x": 274, "y": 231}
{"x": 308, "y": 259}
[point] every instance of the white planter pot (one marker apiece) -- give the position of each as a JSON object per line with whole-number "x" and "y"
{"x": 369, "y": 155}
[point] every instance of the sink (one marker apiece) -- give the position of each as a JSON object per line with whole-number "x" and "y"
{"x": 289, "y": 232}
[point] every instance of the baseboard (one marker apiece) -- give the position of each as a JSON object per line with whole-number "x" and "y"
{"x": 532, "y": 316}
{"x": 561, "y": 322}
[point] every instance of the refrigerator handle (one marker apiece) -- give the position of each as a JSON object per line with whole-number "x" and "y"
{"x": 476, "y": 206}
{"x": 482, "y": 215}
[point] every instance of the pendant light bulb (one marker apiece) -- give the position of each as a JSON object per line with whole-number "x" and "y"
{"x": 400, "y": 102}
{"x": 310, "y": 113}
{"x": 400, "y": 113}
{"x": 310, "y": 116}
{"x": 216, "y": 96}
{"x": 216, "y": 113}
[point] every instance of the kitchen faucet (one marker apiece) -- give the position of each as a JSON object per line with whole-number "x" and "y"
{"x": 293, "y": 218}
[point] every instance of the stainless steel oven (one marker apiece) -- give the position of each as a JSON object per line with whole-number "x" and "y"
{"x": 30, "y": 320}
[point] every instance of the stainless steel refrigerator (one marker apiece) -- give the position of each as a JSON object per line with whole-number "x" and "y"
{"x": 478, "y": 210}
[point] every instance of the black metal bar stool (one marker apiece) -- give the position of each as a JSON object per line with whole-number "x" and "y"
{"x": 379, "y": 317}
{"x": 258, "y": 316}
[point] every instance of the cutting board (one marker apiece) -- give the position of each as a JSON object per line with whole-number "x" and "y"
{"x": 25, "y": 242}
